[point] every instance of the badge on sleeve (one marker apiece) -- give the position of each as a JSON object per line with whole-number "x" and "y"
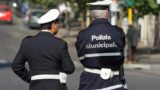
{"x": 105, "y": 73}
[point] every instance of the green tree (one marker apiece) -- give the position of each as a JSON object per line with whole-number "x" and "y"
{"x": 81, "y": 9}
{"x": 82, "y": 5}
{"x": 142, "y": 7}
{"x": 146, "y": 6}
{"x": 45, "y": 3}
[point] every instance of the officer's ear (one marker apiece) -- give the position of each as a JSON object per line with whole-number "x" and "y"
{"x": 107, "y": 14}
{"x": 53, "y": 25}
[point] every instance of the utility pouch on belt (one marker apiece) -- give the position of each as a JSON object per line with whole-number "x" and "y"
{"x": 106, "y": 73}
{"x": 63, "y": 77}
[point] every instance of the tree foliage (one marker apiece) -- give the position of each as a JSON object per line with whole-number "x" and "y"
{"x": 146, "y": 6}
{"x": 44, "y": 3}
{"x": 81, "y": 4}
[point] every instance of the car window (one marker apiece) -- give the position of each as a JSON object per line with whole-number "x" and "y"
{"x": 38, "y": 14}
{"x": 4, "y": 9}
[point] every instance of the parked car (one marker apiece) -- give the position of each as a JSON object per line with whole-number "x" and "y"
{"x": 33, "y": 16}
{"x": 6, "y": 14}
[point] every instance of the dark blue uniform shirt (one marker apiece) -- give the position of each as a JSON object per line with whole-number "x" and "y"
{"x": 101, "y": 45}
{"x": 45, "y": 54}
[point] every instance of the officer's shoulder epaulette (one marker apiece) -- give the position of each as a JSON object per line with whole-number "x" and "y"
{"x": 119, "y": 29}
{"x": 81, "y": 31}
{"x": 27, "y": 37}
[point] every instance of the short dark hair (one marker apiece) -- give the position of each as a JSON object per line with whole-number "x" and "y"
{"x": 49, "y": 24}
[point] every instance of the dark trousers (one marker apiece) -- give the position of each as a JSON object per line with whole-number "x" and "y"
{"x": 47, "y": 85}
{"x": 90, "y": 81}
{"x": 132, "y": 50}
{"x": 133, "y": 54}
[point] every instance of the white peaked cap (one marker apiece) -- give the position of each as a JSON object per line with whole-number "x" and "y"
{"x": 100, "y": 3}
{"x": 51, "y": 15}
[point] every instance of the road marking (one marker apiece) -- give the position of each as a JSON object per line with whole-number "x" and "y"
{"x": 137, "y": 66}
{"x": 2, "y": 61}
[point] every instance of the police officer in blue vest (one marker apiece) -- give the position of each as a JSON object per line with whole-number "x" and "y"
{"x": 47, "y": 56}
{"x": 100, "y": 49}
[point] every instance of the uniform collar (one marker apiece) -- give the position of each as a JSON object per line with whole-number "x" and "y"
{"x": 46, "y": 30}
{"x": 99, "y": 21}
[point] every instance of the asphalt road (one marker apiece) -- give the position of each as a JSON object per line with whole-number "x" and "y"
{"x": 10, "y": 39}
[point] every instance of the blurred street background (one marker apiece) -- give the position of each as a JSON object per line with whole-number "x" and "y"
{"x": 21, "y": 22}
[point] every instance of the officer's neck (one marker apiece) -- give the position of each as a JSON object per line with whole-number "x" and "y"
{"x": 46, "y": 30}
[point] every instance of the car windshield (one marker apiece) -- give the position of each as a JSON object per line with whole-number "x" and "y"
{"x": 37, "y": 14}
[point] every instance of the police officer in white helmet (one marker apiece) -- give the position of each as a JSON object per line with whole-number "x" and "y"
{"x": 47, "y": 56}
{"x": 100, "y": 48}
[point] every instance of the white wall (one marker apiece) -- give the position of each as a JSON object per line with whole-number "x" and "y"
{"x": 148, "y": 31}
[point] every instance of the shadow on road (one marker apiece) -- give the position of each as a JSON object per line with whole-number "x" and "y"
{"x": 5, "y": 65}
